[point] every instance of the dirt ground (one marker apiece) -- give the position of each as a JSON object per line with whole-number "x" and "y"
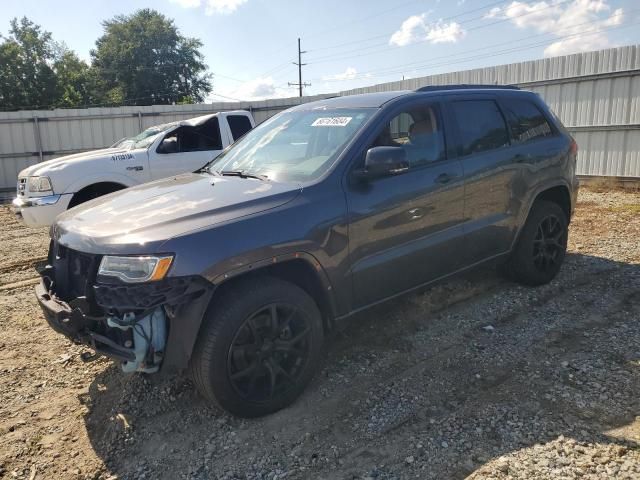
{"x": 477, "y": 377}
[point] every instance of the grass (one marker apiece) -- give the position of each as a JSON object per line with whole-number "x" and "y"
{"x": 630, "y": 208}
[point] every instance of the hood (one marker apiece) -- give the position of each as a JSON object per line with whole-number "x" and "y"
{"x": 59, "y": 163}
{"x": 139, "y": 219}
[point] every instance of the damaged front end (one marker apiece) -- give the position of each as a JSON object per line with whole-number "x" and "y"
{"x": 133, "y": 323}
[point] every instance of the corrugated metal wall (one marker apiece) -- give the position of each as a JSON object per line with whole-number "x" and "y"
{"x": 596, "y": 95}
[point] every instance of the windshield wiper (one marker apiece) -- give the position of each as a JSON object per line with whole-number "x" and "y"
{"x": 242, "y": 174}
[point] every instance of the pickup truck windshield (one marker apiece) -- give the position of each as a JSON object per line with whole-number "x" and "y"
{"x": 294, "y": 146}
{"x": 144, "y": 139}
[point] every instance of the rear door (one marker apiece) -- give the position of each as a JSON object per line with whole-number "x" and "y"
{"x": 186, "y": 149}
{"x": 491, "y": 173}
{"x": 537, "y": 145}
{"x": 406, "y": 229}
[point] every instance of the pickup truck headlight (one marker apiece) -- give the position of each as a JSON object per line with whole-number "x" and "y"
{"x": 39, "y": 184}
{"x": 135, "y": 269}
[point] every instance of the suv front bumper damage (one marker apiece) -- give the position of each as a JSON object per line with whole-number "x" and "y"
{"x": 74, "y": 324}
{"x": 145, "y": 327}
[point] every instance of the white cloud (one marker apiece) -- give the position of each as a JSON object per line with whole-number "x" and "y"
{"x": 445, "y": 33}
{"x": 260, "y": 88}
{"x": 212, "y": 7}
{"x": 564, "y": 19}
{"x": 349, "y": 74}
{"x": 409, "y": 32}
{"x": 416, "y": 29}
{"x": 187, "y": 3}
{"x": 223, "y": 7}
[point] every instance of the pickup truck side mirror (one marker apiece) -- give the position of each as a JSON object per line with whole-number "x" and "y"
{"x": 168, "y": 145}
{"x": 384, "y": 161}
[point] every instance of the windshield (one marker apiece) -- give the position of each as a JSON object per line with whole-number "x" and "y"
{"x": 146, "y": 138}
{"x": 293, "y": 146}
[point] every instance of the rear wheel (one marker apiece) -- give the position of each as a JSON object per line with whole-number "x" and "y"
{"x": 259, "y": 347}
{"x": 542, "y": 245}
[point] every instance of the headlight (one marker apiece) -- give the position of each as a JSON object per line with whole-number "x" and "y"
{"x": 39, "y": 184}
{"x": 135, "y": 269}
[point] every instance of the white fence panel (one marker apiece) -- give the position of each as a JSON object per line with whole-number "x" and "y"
{"x": 596, "y": 95}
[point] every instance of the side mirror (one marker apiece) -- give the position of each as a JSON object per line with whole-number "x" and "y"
{"x": 168, "y": 145}
{"x": 384, "y": 161}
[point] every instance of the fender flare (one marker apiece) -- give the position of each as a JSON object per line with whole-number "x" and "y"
{"x": 191, "y": 315}
{"x": 307, "y": 257}
{"x": 88, "y": 181}
{"x": 537, "y": 190}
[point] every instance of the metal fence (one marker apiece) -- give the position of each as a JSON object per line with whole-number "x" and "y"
{"x": 595, "y": 94}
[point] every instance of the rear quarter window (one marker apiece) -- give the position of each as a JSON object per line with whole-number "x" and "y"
{"x": 239, "y": 125}
{"x": 526, "y": 121}
{"x": 481, "y": 126}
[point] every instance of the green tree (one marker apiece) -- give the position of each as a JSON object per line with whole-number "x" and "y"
{"x": 142, "y": 59}
{"x": 27, "y": 77}
{"x": 77, "y": 82}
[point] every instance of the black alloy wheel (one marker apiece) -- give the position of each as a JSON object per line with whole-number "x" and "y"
{"x": 549, "y": 243}
{"x": 541, "y": 245}
{"x": 259, "y": 346}
{"x": 269, "y": 352}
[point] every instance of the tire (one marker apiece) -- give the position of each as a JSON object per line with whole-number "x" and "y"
{"x": 541, "y": 247}
{"x": 93, "y": 192}
{"x": 241, "y": 361}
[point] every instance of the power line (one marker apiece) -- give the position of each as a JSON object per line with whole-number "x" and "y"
{"x": 403, "y": 68}
{"x": 315, "y": 34}
{"x": 331, "y": 58}
{"x": 300, "y": 85}
{"x": 493, "y": 4}
{"x": 282, "y": 66}
{"x": 226, "y": 97}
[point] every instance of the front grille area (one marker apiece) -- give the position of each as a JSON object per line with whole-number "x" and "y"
{"x": 74, "y": 272}
{"x": 22, "y": 185}
{"x": 144, "y": 296}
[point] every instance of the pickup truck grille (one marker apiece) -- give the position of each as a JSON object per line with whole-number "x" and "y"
{"x": 22, "y": 184}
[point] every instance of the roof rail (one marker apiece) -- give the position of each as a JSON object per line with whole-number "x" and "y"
{"x": 464, "y": 86}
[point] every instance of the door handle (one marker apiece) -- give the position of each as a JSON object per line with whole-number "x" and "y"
{"x": 415, "y": 213}
{"x": 445, "y": 178}
{"x": 521, "y": 157}
{"x": 396, "y": 171}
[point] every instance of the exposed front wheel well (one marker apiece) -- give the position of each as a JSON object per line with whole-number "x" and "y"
{"x": 298, "y": 272}
{"x": 558, "y": 195}
{"x": 94, "y": 191}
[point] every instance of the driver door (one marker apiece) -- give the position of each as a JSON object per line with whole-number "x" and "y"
{"x": 406, "y": 229}
{"x": 186, "y": 149}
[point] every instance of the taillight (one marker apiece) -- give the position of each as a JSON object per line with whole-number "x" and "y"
{"x": 573, "y": 148}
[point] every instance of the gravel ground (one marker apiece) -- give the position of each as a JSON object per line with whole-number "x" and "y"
{"x": 475, "y": 378}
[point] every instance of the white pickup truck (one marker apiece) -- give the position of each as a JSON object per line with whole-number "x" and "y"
{"x": 49, "y": 188}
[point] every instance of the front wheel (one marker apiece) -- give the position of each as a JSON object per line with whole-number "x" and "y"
{"x": 259, "y": 347}
{"x": 542, "y": 245}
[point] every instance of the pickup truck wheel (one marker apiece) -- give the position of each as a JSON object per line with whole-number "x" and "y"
{"x": 259, "y": 347}
{"x": 542, "y": 245}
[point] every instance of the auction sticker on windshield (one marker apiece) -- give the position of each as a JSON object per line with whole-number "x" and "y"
{"x": 331, "y": 122}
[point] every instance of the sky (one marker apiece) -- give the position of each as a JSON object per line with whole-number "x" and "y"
{"x": 250, "y": 45}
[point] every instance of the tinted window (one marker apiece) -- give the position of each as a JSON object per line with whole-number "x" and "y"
{"x": 481, "y": 126}
{"x": 526, "y": 121}
{"x": 239, "y": 124}
{"x": 193, "y": 139}
{"x": 419, "y": 132}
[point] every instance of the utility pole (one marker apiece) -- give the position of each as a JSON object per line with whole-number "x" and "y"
{"x": 299, "y": 64}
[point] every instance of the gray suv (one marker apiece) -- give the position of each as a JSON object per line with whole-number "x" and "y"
{"x": 237, "y": 272}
